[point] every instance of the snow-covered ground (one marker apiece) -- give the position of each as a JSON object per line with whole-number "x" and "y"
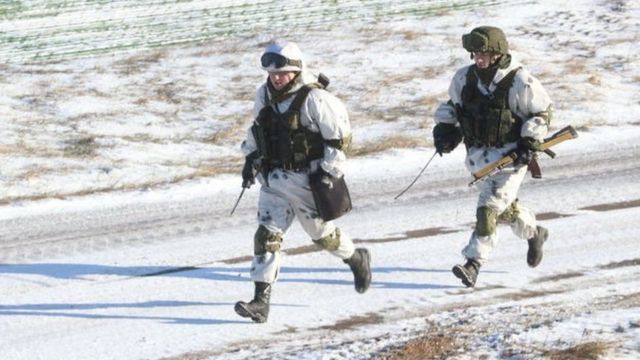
{"x": 118, "y": 172}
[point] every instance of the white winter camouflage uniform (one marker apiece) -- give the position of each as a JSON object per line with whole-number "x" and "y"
{"x": 526, "y": 97}
{"x": 285, "y": 194}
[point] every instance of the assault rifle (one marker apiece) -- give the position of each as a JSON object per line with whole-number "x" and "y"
{"x": 564, "y": 134}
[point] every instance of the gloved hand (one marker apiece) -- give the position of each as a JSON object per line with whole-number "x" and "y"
{"x": 526, "y": 149}
{"x": 325, "y": 178}
{"x": 446, "y": 137}
{"x": 249, "y": 170}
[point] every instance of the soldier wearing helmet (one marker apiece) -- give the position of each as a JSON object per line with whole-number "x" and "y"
{"x": 495, "y": 107}
{"x": 296, "y": 143}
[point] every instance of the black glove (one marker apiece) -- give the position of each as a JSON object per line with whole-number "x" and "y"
{"x": 249, "y": 170}
{"x": 446, "y": 137}
{"x": 526, "y": 150}
{"x": 325, "y": 177}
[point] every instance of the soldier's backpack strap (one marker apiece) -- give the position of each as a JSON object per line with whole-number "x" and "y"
{"x": 301, "y": 95}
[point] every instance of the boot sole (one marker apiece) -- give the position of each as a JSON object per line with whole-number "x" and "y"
{"x": 459, "y": 272}
{"x": 535, "y": 262}
{"x": 367, "y": 260}
{"x": 242, "y": 310}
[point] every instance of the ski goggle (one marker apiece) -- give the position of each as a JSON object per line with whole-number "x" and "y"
{"x": 278, "y": 61}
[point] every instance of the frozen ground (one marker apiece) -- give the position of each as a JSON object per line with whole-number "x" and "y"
{"x": 118, "y": 172}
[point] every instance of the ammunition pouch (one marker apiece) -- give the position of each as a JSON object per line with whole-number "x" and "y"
{"x": 487, "y": 120}
{"x": 282, "y": 141}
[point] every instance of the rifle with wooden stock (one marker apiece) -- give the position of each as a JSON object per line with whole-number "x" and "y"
{"x": 562, "y": 135}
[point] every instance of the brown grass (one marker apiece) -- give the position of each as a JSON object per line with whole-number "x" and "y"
{"x": 143, "y": 138}
{"x": 82, "y": 147}
{"x": 391, "y": 142}
{"x": 387, "y": 114}
{"x": 557, "y": 277}
{"x": 139, "y": 62}
{"x": 34, "y": 172}
{"x": 168, "y": 92}
{"x": 628, "y": 301}
{"x": 355, "y": 321}
{"x": 10, "y": 149}
{"x": 97, "y": 190}
{"x": 225, "y": 165}
{"x": 22, "y": 149}
{"x": 595, "y": 80}
{"x": 427, "y": 347}
{"x": 411, "y": 35}
{"x": 593, "y": 350}
{"x": 236, "y": 127}
{"x": 614, "y": 206}
{"x": 527, "y": 294}
{"x": 574, "y": 67}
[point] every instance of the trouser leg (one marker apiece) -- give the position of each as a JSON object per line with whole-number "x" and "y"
{"x": 294, "y": 187}
{"x": 266, "y": 256}
{"x": 275, "y": 216}
{"x": 521, "y": 220}
{"x": 496, "y": 195}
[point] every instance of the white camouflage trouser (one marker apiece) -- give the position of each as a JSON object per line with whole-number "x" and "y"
{"x": 286, "y": 197}
{"x": 498, "y": 192}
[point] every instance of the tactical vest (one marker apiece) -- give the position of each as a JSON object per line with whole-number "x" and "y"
{"x": 281, "y": 139}
{"x": 486, "y": 120}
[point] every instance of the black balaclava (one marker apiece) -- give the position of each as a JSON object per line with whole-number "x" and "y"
{"x": 486, "y": 75}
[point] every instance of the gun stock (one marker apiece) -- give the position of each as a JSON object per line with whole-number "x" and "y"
{"x": 561, "y": 135}
{"x": 564, "y": 134}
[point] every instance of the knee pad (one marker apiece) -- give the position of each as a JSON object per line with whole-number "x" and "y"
{"x": 486, "y": 221}
{"x": 510, "y": 214}
{"x": 265, "y": 241}
{"x": 330, "y": 242}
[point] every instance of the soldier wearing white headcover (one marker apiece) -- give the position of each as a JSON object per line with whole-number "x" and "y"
{"x": 300, "y": 130}
{"x": 496, "y": 107}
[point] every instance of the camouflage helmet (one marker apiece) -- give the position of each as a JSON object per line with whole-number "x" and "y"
{"x": 486, "y": 39}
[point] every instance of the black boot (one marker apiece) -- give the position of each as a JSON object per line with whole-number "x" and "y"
{"x": 534, "y": 254}
{"x": 258, "y": 308}
{"x": 468, "y": 272}
{"x": 359, "y": 263}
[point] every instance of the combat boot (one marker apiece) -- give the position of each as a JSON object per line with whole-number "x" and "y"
{"x": 468, "y": 272}
{"x": 534, "y": 254}
{"x": 258, "y": 308}
{"x": 359, "y": 263}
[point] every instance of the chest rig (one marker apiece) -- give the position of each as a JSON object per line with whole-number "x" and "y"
{"x": 281, "y": 139}
{"x": 486, "y": 120}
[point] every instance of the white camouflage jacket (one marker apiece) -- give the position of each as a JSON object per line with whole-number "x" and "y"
{"x": 320, "y": 112}
{"x": 526, "y": 98}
